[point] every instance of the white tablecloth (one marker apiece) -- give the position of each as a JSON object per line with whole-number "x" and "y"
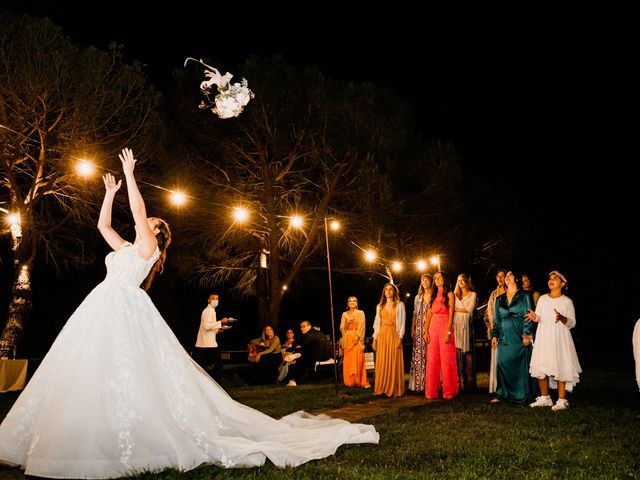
{"x": 13, "y": 375}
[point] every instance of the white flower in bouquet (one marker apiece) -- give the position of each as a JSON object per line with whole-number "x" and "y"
{"x": 231, "y": 98}
{"x": 231, "y": 101}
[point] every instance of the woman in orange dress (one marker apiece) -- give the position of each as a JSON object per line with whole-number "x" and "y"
{"x": 388, "y": 330}
{"x": 352, "y": 326}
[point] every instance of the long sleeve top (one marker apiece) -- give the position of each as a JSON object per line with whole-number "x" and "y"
{"x": 509, "y": 324}
{"x": 273, "y": 347}
{"x": 209, "y": 326}
{"x": 400, "y": 320}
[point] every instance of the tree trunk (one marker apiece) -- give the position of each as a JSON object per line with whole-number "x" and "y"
{"x": 274, "y": 310}
{"x": 262, "y": 279}
{"x": 21, "y": 304}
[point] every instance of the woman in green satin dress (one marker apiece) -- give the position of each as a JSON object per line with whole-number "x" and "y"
{"x": 513, "y": 335}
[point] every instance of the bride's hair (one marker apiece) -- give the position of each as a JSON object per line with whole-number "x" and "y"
{"x": 163, "y": 237}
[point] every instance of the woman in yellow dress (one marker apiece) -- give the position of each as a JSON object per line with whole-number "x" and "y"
{"x": 388, "y": 330}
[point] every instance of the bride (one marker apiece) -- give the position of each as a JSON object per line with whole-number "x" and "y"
{"x": 117, "y": 394}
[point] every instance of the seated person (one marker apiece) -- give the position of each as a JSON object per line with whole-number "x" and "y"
{"x": 289, "y": 343}
{"x": 288, "y": 348}
{"x": 267, "y": 357}
{"x": 311, "y": 349}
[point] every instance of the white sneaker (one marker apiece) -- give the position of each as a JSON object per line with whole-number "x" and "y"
{"x": 292, "y": 383}
{"x": 561, "y": 404}
{"x": 542, "y": 401}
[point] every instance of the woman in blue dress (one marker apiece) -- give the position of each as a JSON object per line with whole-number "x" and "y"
{"x": 513, "y": 336}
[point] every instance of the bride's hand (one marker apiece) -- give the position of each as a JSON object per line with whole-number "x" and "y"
{"x": 110, "y": 184}
{"x": 128, "y": 161}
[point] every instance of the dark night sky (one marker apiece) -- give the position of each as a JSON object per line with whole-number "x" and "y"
{"x": 531, "y": 98}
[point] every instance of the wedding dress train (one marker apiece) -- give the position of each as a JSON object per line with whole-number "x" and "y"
{"x": 117, "y": 394}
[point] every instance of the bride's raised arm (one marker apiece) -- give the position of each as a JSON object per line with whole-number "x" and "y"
{"x": 114, "y": 240}
{"x": 146, "y": 237}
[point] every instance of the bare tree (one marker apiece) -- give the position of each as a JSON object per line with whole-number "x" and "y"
{"x": 58, "y": 103}
{"x": 298, "y": 148}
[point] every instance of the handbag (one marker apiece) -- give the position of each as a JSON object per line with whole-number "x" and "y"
{"x": 253, "y": 352}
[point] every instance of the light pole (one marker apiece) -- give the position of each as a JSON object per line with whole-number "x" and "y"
{"x": 335, "y": 226}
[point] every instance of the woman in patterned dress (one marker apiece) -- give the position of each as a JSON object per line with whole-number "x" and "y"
{"x": 419, "y": 353}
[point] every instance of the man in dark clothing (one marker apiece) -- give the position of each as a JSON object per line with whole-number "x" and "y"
{"x": 312, "y": 347}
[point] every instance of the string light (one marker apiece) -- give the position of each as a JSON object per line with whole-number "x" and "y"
{"x": 240, "y": 214}
{"x": 85, "y": 168}
{"x": 296, "y": 221}
{"x": 13, "y": 219}
{"x": 370, "y": 255}
{"x": 178, "y": 198}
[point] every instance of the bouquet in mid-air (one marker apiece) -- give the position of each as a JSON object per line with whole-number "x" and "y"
{"x": 230, "y": 99}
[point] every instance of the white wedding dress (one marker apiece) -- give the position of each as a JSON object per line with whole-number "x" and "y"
{"x": 117, "y": 394}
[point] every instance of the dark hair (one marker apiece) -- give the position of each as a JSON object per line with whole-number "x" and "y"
{"x": 446, "y": 288}
{"x": 517, "y": 278}
{"x": 163, "y": 237}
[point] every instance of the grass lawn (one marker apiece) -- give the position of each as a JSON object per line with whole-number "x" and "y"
{"x": 467, "y": 438}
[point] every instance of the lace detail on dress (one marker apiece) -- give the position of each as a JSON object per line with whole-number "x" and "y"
{"x": 117, "y": 394}
{"x": 127, "y": 266}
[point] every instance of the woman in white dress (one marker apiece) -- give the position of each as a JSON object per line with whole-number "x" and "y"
{"x": 117, "y": 394}
{"x": 554, "y": 361}
{"x": 465, "y": 297}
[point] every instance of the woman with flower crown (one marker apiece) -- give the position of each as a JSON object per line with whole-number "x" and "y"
{"x": 554, "y": 361}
